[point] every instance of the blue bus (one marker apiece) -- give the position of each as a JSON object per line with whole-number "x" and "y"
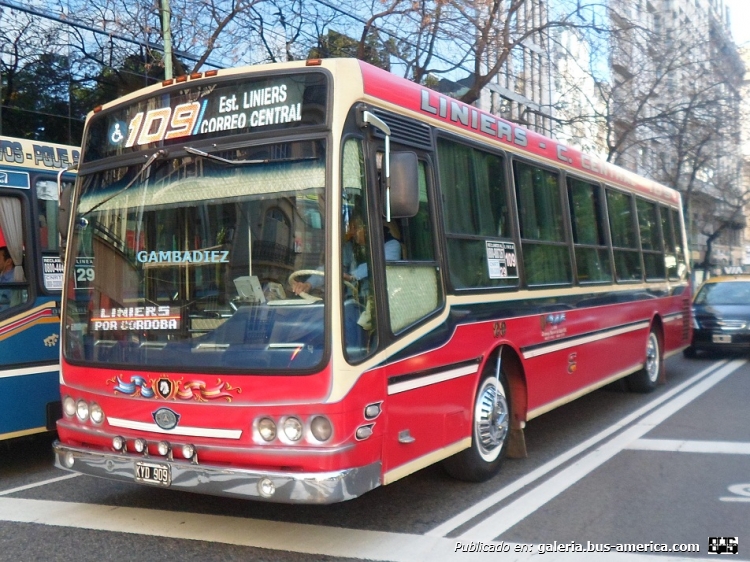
{"x": 30, "y": 283}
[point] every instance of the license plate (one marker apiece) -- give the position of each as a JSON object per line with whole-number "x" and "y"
{"x": 152, "y": 473}
{"x": 722, "y": 339}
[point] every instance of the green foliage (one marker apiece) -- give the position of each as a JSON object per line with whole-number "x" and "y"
{"x": 44, "y": 101}
{"x": 136, "y": 71}
{"x": 338, "y": 45}
{"x": 37, "y": 102}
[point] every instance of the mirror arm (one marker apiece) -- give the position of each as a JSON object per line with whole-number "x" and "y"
{"x": 72, "y": 168}
{"x": 63, "y": 239}
{"x": 368, "y": 118}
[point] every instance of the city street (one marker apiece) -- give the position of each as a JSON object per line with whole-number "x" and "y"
{"x": 660, "y": 471}
{"x": 302, "y": 251}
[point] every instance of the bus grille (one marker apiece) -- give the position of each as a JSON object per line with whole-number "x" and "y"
{"x": 405, "y": 130}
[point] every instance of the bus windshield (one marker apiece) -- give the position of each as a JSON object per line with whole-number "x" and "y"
{"x": 187, "y": 263}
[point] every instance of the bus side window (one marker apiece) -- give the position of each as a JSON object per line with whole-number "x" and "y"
{"x": 14, "y": 289}
{"x": 360, "y": 318}
{"x": 413, "y": 282}
{"x": 546, "y": 256}
{"x": 681, "y": 254}
{"x": 624, "y": 236}
{"x": 651, "y": 245}
{"x": 589, "y": 238}
{"x": 46, "y": 195}
{"x": 476, "y": 211}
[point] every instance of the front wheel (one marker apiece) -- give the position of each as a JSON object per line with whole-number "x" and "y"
{"x": 489, "y": 439}
{"x": 647, "y": 378}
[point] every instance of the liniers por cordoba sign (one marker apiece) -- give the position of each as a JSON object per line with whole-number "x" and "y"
{"x": 136, "y": 318}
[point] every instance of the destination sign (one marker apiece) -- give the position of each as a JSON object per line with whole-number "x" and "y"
{"x": 138, "y": 318}
{"x": 35, "y": 154}
{"x": 208, "y": 110}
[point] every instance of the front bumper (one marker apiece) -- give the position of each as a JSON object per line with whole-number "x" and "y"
{"x": 306, "y": 488}
{"x": 703, "y": 340}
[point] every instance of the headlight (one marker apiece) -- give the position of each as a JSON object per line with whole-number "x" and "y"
{"x": 96, "y": 413}
{"x": 69, "y": 406}
{"x": 118, "y": 443}
{"x": 293, "y": 429}
{"x": 139, "y": 445}
{"x": 188, "y": 451}
{"x": 163, "y": 448}
{"x": 267, "y": 429}
{"x": 321, "y": 428}
{"x": 82, "y": 410}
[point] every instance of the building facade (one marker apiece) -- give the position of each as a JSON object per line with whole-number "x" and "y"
{"x": 522, "y": 90}
{"x": 676, "y": 97}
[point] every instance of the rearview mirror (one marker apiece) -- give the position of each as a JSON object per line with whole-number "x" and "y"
{"x": 404, "y": 192}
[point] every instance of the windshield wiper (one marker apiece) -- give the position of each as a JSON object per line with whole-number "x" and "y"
{"x": 161, "y": 153}
{"x": 196, "y": 152}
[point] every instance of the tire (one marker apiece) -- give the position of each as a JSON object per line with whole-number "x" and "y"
{"x": 647, "y": 378}
{"x": 489, "y": 435}
{"x": 689, "y": 353}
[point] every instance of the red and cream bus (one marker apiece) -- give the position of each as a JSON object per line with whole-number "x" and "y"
{"x": 315, "y": 278}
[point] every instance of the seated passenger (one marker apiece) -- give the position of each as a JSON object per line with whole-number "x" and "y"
{"x": 6, "y": 266}
{"x": 6, "y": 276}
{"x": 392, "y": 238}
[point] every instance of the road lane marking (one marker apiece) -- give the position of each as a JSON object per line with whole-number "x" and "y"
{"x": 686, "y": 446}
{"x": 741, "y": 493}
{"x": 38, "y": 484}
{"x": 275, "y": 535}
{"x": 499, "y": 522}
{"x": 468, "y": 514}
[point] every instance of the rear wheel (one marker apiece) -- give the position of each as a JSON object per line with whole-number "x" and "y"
{"x": 490, "y": 430}
{"x": 647, "y": 378}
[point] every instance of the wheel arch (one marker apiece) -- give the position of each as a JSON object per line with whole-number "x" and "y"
{"x": 657, "y": 326}
{"x": 515, "y": 378}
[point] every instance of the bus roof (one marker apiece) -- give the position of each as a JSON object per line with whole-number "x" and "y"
{"x": 439, "y": 108}
{"x": 387, "y": 89}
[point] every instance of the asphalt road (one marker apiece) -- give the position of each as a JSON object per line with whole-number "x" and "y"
{"x": 610, "y": 470}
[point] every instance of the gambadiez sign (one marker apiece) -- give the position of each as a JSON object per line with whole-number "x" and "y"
{"x": 233, "y": 106}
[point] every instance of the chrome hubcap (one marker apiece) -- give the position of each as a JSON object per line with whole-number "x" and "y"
{"x": 491, "y": 420}
{"x": 652, "y": 358}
